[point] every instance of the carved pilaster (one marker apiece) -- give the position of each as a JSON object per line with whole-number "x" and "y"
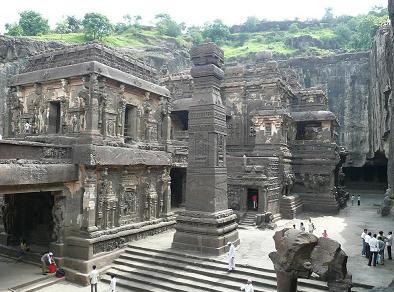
{"x": 121, "y": 111}
{"x": 89, "y": 202}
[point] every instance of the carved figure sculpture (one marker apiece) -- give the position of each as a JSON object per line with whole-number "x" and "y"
{"x": 58, "y": 221}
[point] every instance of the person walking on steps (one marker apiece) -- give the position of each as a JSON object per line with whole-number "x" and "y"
{"x": 231, "y": 257}
{"x": 374, "y": 249}
{"x": 94, "y": 278}
{"x": 363, "y": 242}
{"x": 358, "y": 200}
{"x": 248, "y": 287}
{"x": 112, "y": 284}
{"x": 389, "y": 242}
{"x": 352, "y": 199}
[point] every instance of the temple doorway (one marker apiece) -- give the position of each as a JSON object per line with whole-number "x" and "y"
{"x": 29, "y": 217}
{"x": 253, "y": 199}
{"x": 178, "y": 186}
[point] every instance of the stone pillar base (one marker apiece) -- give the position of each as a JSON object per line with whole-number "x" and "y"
{"x": 58, "y": 252}
{"x": 91, "y": 138}
{"x": 206, "y": 233}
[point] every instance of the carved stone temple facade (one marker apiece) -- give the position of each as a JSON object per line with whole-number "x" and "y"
{"x": 96, "y": 154}
{"x": 281, "y": 140}
{"x": 84, "y": 164}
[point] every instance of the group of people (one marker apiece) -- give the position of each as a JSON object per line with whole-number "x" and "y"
{"x": 352, "y": 198}
{"x": 373, "y": 246}
{"x": 311, "y": 228}
{"x": 94, "y": 277}
{"x": 248, "y": 287}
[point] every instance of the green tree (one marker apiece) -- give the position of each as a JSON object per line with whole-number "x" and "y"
{"x": 167, "y": 26}
{"x": 328, "y": 16}
{"x": 96, "y": 26}
{"x": 13, "y": 29}
{"x": 69, "y": 25}
{"x": 343, "y": 34}
{"x": 195, "y": 34}
{"x": 293, "y": 28}
{"x": 32, "y": 23}
{"x": 251, "y": 24}
{"x": 217, "y": 31}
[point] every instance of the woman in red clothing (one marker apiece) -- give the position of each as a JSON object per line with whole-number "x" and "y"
{"x": 254, "y": 200}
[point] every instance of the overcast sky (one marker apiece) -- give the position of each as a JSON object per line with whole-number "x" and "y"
{"x": 195, "y": 12}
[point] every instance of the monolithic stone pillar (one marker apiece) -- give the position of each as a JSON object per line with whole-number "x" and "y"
{"x": 207, "y": 224}
{"x": 91, "y": 133}
{"x": 166, "y": 189}
{"x": 89, "y": 201}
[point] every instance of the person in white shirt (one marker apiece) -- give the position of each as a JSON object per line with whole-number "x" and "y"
{"x": 367, "y": 250}
{"x": 389, "y": 243}
{"x": 248, "y": 287}
{"x": 94, "y": 278}
{"x": 112, "y": 284}
{"x": 302, "y": 227}
{"x": 311, "y": 226}
{"x": 352, "y": 199}
{"x": 26, "y": 128}
{"x": 46, "y": 260}
{"x": 363, "y": 242}
{"x": 231, "y": 257}
{"x": 374, "y": 249}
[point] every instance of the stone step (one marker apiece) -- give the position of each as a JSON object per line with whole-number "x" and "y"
{"x": 160, "y": 261}
{"x": 128, "y": 279}
{"x": 37, "y": 284}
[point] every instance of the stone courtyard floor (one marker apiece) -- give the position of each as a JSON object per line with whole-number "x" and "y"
{"x": 345, "y": 227}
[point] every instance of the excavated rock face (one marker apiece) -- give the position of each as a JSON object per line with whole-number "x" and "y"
{"x": 346, "y": 80}
{"x": 299, "y": 254}
{"x": 293, "y": 249}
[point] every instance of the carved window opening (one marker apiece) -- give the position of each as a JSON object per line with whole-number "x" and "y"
{"x": 130, "y": 129}
{"x": 268, "y": 129}
{"x": 180, "y": 125}
{"x": 308, "y": 130}
{"x": 54, "y": 117}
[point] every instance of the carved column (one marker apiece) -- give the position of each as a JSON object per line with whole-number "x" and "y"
{"x": 138, "y": 125}
{"x": 121, "y": 111}
{"x": 166, "y": 196}
{"x": 89, "y": 201}
{"x": 207, "y": 225}
{"x": 91, "y": 133}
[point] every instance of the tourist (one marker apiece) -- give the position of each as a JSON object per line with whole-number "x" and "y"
{"x": 352, "y": 200}
{"x": 359, "y": 200}
{"x": 324, "y": 234}
{"x": 231, "y": 257}
{"x": 302, "y": 227}
{"x": 367, "y": 249}
{"x": 294, "y": 226}
{"x": 112, "y": 284}
{"x": 311, "y": 226}
{"x": 248, "y": 287}
{"x": 23, "y": 249}
{"x": 363, "y": 241}
{"x": 46, "y": 260}
{"x": 382, "y": 247}
{"x": 374, "y": 249}
{"x": 254, "y": 200}
{"x": 26, "y": 128}
{"x": 93, "y": 278}
{"x": 389, "y": 242}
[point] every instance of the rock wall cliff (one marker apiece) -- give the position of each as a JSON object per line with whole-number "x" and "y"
{"x": 346, "y": 79}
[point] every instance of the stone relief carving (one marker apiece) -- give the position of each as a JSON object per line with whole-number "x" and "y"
{"x": 58, "y": 220}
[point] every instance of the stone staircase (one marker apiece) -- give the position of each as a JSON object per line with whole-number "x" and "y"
{"x": 290, "y": 206}
{"x": 38, "y": 284}
{"x": 249, "y": 219}
{"x": 144, "y": 269}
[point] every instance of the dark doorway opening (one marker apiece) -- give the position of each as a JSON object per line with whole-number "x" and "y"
{"x": 29, "y": 217}
{"x": 54, "y": 117}
{"x": 253, "y": 199}
{"x": 130, "y": 121}
{"x": 371, "y": 176}
{"x": 178, "y": 186}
